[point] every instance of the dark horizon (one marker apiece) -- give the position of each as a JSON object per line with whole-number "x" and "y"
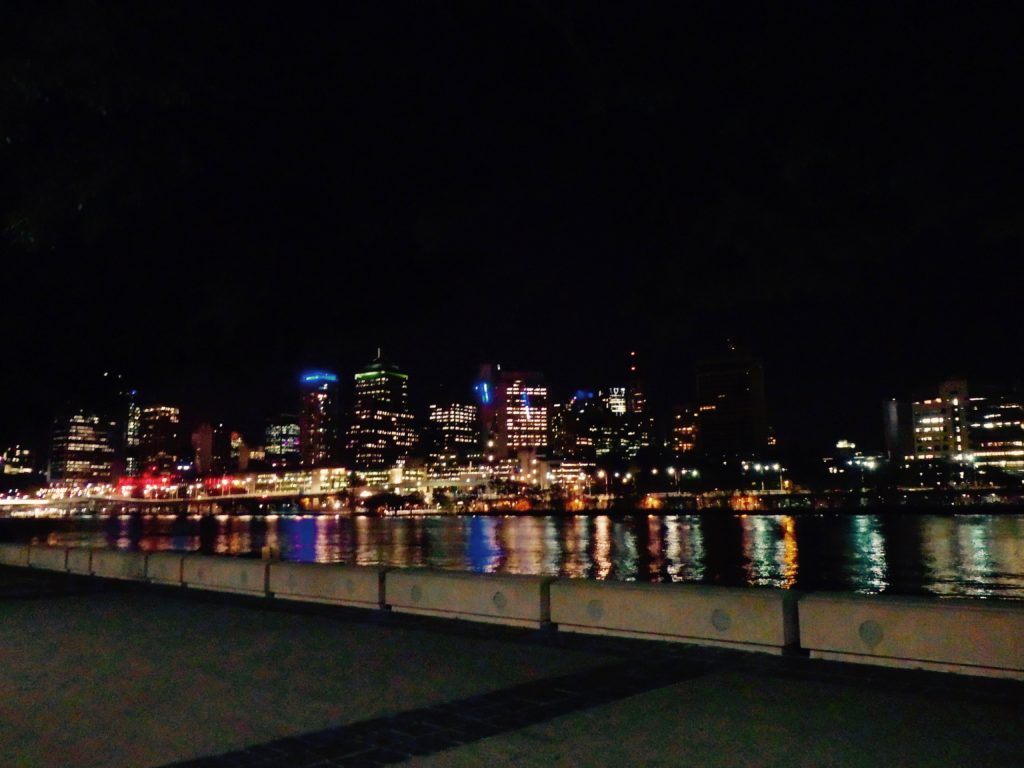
{"x": 211, "y": 199}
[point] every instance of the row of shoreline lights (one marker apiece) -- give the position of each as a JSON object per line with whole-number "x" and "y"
{"x": 670, "y": 471}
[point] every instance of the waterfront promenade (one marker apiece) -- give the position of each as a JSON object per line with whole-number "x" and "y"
{"x": 103, "y": 673}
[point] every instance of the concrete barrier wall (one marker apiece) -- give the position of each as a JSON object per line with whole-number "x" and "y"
{"x": 14, "y": 554}
{"x": 515, "y": 600}
{"x": 164, "y": 568}
{"x": 80, "y": 560}
{"x": 115, "y": 564}
{"x": 358, "y": 586}
{"x": 965, "y": 636}
{"x": 747, "y": 618}
{"x": 48, "y": 558}
{"x": 225, "y": 574}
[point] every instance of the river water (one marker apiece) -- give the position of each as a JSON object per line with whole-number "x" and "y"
{"x": 969, "y": 555}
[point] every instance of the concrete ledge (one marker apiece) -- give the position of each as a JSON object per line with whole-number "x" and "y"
{"x": 48, "y": 558}
{"x": 225, "y": 574}
{"x": 516, "y": 600}
{"x": 164, "y": 567}
{"x": 965, "y": 636}
{"x": 80, "y": 560}
{"x": 14, "y": 554}
{"x": 746, "y": 618}
{"x": 358, "y": 586}
{"x": 114, "y": 564}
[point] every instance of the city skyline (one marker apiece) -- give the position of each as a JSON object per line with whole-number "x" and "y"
{"x": 944, "y": 433}
{"x": 520, "y": 383}
{"x": 423, "y": 395}
{"x": 211, "y": 223}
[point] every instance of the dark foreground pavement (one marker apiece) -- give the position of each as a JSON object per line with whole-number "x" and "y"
{"x": 100, "y": 674}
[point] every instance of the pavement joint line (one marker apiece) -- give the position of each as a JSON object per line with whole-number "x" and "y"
{"x": 387, "y": 740}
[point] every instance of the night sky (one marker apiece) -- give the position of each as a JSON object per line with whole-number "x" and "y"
{"x": 209, "y": 197}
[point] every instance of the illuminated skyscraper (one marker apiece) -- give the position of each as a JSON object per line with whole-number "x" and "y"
{"x": 283, "y": 438}
{"x": 731, "y": 405}
{"x": 81, "y": 452}
{"x": 318, "y": 417}
{"x": 161, "y": 446}
{"x": 132, "y": 433}
{"x": 513, "y": 411}
{"x": 614, "y": 400}
{"x": 454, "y": 434}
{"x": 580, "y": 428}
{"x": 382, "y": 431}
{"x": 525, "y": 422}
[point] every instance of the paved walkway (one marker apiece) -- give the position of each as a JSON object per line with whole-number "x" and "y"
{"x": 93, "y": 674}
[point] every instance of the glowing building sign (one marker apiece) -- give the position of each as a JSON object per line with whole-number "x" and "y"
{"x": 319, "y": 377}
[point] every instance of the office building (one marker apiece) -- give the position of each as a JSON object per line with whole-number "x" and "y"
{"x": 513, "y": 411}
{"x": 982, "y": 427}
{"x": 979, "y": 427}
{"x": 941, "y": 423}
{"x": 732, "y": 419}
{"x": 161, "y": 445}
{"x": 382, "y": 433}
{"x": 318, "y": 418}
{"x": 282, "y": 440}
{"x": 995, "y": 434}
{"x": 579, "y": 428}
{"x": 17, "y": 460}
{"x": 454, "y": 434}
{"x": 81, "y": 451}
{"x": 683, "y": 430}
{"x": 211, "y": 444}
{"x": 614, "y": 400}
{"x": 132, "y": 433}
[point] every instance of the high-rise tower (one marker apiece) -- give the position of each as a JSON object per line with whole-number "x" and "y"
{"x": 318, "y": 417}
{"x": 513, "y": 410}
{"x": 81, "y": 452}
{"x": 161, "y": 445}
{"x": 731, "y": 405}
{"x": 382, "y": 431}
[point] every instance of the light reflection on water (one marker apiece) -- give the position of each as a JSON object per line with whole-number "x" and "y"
{"x": 950, "y": 555}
